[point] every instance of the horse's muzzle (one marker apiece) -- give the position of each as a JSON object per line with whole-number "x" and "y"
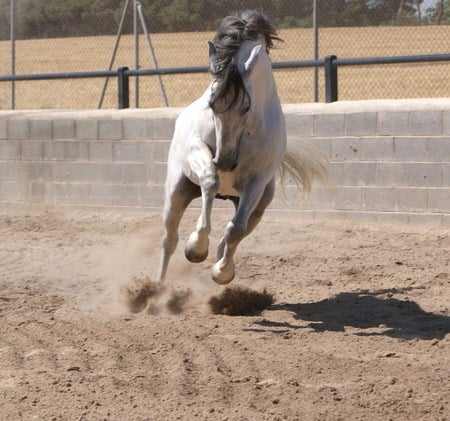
{"x": 225, "y": 166}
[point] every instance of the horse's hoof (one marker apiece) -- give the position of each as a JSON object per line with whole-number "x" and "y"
{"x": 221, "y": 277}
{"x": 195, "y": 257}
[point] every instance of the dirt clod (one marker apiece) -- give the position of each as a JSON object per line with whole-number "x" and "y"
{"x": 239, "y": 301}
{"x": 143, "y": 294}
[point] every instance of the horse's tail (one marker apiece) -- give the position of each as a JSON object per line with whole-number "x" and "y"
{"x": 304, "y": 164}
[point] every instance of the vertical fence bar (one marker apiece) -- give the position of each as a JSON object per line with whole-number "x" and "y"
{"x": 113, "y": 56}
{"x": 152, "y": 53}
{"x": 331, "y": 79}
{"x": 12, "y": 29}
{"x": 136, "y": 53}
{"x": 315, "y": 53}
{"x": 123, "y": 90}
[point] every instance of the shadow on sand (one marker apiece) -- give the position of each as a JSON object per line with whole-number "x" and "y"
{"x": 373, "y": 312}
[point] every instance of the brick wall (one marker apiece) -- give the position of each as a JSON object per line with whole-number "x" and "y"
{"x": 391, "y": 159}
{"x": 90, "y": 158}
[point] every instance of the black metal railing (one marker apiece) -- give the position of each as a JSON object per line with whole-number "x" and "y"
{"x": 330, "y": 64}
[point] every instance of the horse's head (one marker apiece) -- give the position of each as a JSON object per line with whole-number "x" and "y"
{"x": 231, "y": 103}
{"x": 234, "y": 56}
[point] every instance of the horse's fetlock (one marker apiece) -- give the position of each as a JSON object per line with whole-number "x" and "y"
{"x": 204, "y": 231}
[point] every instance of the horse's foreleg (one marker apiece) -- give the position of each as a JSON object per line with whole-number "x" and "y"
{"x": 200, "y": 161}
{"x": 197, "y": 245}
{"x": 178, "y": 197}
{"x": 246, "y": 218}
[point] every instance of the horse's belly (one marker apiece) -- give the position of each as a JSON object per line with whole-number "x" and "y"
{"x": 227, "y": 183}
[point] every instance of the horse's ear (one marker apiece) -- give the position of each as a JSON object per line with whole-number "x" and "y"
{"x": 252, "y": 60}
{"x": 212, "y": 56}
{"x": 212, "y": 51}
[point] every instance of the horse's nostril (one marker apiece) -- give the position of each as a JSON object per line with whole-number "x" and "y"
{"x": 225, "y": 166}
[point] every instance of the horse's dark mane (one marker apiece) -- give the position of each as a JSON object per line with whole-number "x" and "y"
{"x": 232, "y": 32}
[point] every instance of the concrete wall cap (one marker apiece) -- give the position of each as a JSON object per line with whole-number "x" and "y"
{"x": 376, "y": 105}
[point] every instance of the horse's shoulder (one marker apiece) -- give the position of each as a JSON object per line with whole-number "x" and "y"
{"x": 196, "y": 118}
{"x": 196, "y": 109}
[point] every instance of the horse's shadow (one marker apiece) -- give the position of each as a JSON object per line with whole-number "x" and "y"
{"x": 372, "y": 312}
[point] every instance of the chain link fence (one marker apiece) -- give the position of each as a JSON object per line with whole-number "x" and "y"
{"x": 85, "y": 35}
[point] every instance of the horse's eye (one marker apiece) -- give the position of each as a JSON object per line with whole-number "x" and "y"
{"x": 245, "y": 109}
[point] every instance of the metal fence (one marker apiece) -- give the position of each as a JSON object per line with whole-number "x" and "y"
{"x": 117, "y": 35}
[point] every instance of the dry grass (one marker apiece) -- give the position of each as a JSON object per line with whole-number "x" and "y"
{"x": 93, "y": 53}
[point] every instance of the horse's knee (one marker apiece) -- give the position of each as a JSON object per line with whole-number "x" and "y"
{"x": 210, "y": 185}
{"x": 258, "y": 214}
{"x": 234, "y": 232}
{"x": 169, "y": 243}
{"x": 265, "y": 201}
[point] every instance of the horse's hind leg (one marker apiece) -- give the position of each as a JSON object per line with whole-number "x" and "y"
{"x": 242, "y": 225}
{"x": 178, "y": 197}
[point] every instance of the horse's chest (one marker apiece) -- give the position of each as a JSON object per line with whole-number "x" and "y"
{"x": 227, "y": 183}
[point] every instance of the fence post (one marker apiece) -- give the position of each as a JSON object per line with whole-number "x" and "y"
{"x": 13, "y": 51}
{"x": 315, "y": 52}
{"x": 331, "y": 79}
{"x": 123, "y": 88}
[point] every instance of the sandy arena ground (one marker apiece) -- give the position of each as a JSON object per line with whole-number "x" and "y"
{"x": 359, "y": 328}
